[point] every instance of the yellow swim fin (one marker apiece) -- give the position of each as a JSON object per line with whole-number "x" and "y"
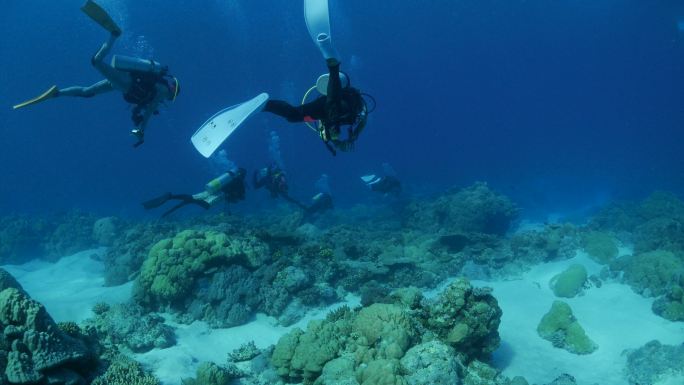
{"x": 49, "y": 94}
{"x": 100, "y": 16}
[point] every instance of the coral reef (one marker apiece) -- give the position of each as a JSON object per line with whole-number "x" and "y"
{"x": 21, "y": 238}
{"x": 671, "y": 305}
{"x": 375, "y": 344}
{"x": 173, "y": 264}
{"x": 560, "y": 327}
{"x": 430, "y": 363}
{"x": 651, "y": 273}
{"x": 554, "y": 241}
{"x": 570, "y": 282}
{"x": 208, "y": 373}
{"x": 654, "y": 363}
{"x": 129, "y": 326}
{"x": 106, "y": 230}
{"x": 475, "y": 209}
{"x": 130, "y": 247}
{"x": 35, "y": 349}
{"x": 73, "y": 233}
{"x": 600, "y": 246}
{"x": 125, "y": 371}
{"x": 466, "y": 318}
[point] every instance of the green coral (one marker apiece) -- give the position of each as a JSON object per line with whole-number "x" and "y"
{"x": 671, "y": 305}
{"x": 569, "y": 283}
{"x": 303, "y": 355}
{"x": 124, "y": 371}
{"x": 385, "y": 332}
{"x": 381, "y": 372}
{"x": 208, "y": 373}
{"x": 560, "y": 327}
{"x": 170, "y": 270}
{"x": 652, "y": 273}
{"x": 364, "y": 346}
{"x": 600, "y": 246}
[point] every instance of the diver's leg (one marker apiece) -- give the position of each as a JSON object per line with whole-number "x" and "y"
{"x": 119, "y": 79}
{"x": 314, "y": 110}
{"x": 284, "y": 109}
{"x": 86, "y": 92}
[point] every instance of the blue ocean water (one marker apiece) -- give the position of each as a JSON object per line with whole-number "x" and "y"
{"x": 559, "y": 105}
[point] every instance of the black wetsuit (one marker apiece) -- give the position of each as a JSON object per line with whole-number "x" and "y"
{"x": 321, "y": 202}
{"x": 234, "y": 190}
{"x": 387, "y": 185}
{"x": 340, "y": 107}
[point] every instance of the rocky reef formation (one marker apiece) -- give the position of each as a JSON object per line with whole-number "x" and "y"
{"x": 128, "y": 326}
{"x": 125, "y": 371}
{"x": 476, "y": 209}
{"x": 376, "y": 344}
{"x": 23, "y": 237}
{"x": 33, "y": 348}
{"x": 655, "y": 227}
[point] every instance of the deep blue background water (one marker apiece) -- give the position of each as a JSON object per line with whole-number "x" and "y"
{"x": 559, "y": 104}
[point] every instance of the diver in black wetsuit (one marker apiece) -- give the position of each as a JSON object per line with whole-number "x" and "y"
{"x": 320, "y": 203}
{"x": 144, "y": 83}
{"x": 229, "y": 187}
{"x": 387, "y": 184}
{"x": 341, "y": 106}
{"x": 273, "y": 179}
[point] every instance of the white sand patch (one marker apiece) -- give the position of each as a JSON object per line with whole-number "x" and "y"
{"x": 613, "y": 316}
{"x": 197, "y": 343}
{"x": 69, "y": 287}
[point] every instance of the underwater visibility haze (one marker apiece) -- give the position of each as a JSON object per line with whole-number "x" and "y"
{"x": 480, "y": 192}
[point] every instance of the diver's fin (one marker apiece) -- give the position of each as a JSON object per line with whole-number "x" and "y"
{"x": 317, "y": 19}
{"x": 185, "y": 200}
{"x": 49, "y": 94}
{"x": 209, "y": 137}
{"x": 100, "y": 16}
{"x": 156, "y": 202}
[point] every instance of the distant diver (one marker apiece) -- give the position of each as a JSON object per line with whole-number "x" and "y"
{"x": 144, "y": 83}
{"x": 229, "y": 187}
{"x": 387, "y": 184}
{"x": 273, "y": 179}
{"x": 320, "y": 203}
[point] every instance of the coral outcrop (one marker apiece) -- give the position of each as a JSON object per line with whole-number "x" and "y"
{"x": 560, "y": 327}
{"x": 34, "y": 349}
{"x": 129, "y": 326}
{"x": 475, "y": 209}
{"x": 570, "y": 282}
{"x": 378, "y": 343}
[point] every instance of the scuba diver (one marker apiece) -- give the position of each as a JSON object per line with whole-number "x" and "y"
{"x": 387, "y": 184}
{"x": 338, "y": 106}
{"x": 273, "y": 179}
{"x": 320, "y": 203}
{"x": 229, "y": 187}
{"x": 146, "y": 84}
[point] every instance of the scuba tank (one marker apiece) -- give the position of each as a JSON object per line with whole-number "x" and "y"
{"x": 134, "y": 64}
{"x": 217, "y": 184}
